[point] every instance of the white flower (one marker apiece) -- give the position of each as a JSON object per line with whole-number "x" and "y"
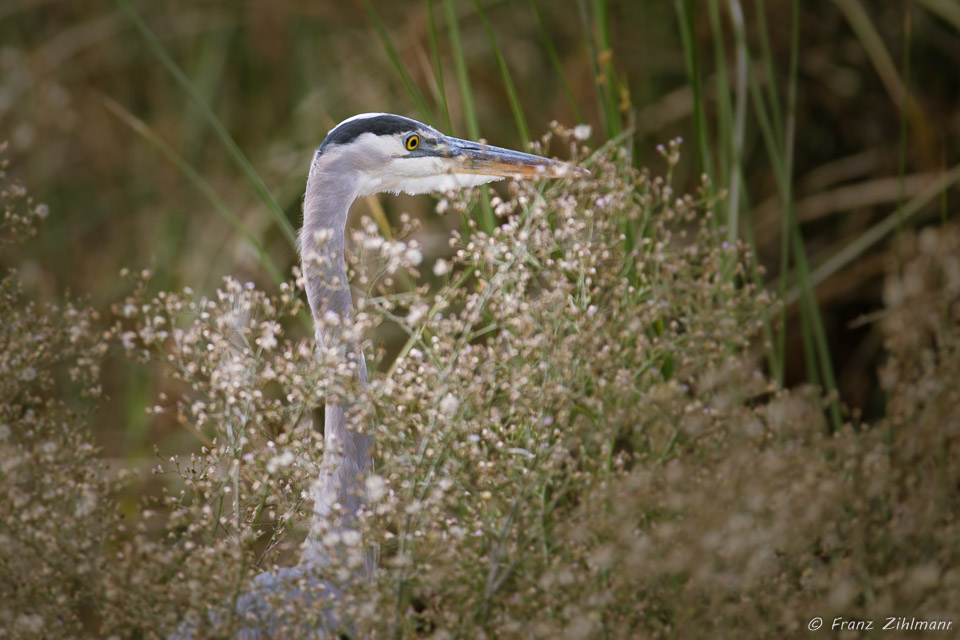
{"x": 372, "y": 243}
{"x": 268, "y": 341}
{"x": 581, "y": 132}
{"x": 322, "y": 236}
{"x": 441, "y": 267}
{"x": 276, "y": 463}
{"x": 127, "y": 339}
{"x": 449, "y": 405}
{"x": 376, "y": 488}
{"x": 413, "y": 256}
{"x": 86, "y": 504}
{"x": 417, "y": 313}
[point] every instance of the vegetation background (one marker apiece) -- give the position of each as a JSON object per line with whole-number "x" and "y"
{"x": 176, "y": 137}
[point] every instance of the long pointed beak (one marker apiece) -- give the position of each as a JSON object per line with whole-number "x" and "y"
{"x": 485, "y": 159}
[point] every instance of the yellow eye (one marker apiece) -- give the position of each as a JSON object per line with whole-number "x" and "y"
{"x": 413, "y": 142}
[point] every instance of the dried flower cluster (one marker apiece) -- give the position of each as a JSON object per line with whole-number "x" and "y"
{"x": 54, "y": 495}
{"x": 572, "y": 442}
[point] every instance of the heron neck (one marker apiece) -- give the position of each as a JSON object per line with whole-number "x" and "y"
{"x": 339, "y": 492}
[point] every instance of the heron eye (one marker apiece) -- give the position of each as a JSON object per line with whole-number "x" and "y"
{"x": 413, "y": 142}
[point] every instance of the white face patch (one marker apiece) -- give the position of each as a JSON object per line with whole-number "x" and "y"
{"x": 442, "y": 183}
{"x": 428, "y": 174}
{"x": 379, "y": 160}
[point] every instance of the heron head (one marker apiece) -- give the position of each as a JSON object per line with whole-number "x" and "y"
{"x": 389, "y": 153}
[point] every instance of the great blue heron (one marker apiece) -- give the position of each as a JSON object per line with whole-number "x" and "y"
{"x": 366, "y": 154}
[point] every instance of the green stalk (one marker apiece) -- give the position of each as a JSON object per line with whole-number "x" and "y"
{"x": 779, "y": 150}
{"x": 547, "y": 42}
{"x": 767, "y": 56}
{"x": 601, "y": 22}
{"x": 740, "y": 120}
{"x": 207, "y": 74}
{"x": 228, "y": 142}
{"x": 945, "y": 313}
{"x": 789, "y": 149}
{"x": 487, "y": 221}
{"x": 606, "y": 102}
{"x": 197, "y": 180}
{"x": 507, "y": 80}
{"x": 724, "y": 106}
{"x": 902, "y": 160}
{"x": 463, "y": 78}
{"x": 438, "y": 68}
{"x": 411, "y": 87}
{"x": 809, "y": 355}
{"x": 700, "y": 131}
{"x": 811, "y": 311}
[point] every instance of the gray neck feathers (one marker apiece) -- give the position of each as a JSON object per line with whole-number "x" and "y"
{"x": 339, "y": 491}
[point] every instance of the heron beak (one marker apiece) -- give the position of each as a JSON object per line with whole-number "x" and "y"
{"x": 485, "y": 159}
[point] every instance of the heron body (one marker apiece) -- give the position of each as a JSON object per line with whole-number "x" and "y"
{"x": 366, "y": 154}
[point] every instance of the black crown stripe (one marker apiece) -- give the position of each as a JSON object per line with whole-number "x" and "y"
{"x": 377, "y": 125}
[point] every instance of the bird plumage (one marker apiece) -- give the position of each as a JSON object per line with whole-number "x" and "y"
{"x": 365, "y": 154}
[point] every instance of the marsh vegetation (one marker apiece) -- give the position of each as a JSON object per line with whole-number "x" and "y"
{"x": 709, "y": 391}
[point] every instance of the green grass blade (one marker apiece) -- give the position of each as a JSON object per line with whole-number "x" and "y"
{"x": 411, "y": 87}
{"x": 767, "y": 58}
{"x": 592, "y": 54}
{"x": 739, "y": 119}
{"x": 800, "y": 258}
{"x": 555, "y": 61}
{"x": 700, "y": 131}
{"x": 460, "y": 65}
{"x": 902, "y": 152}
{"x": 809, "y": 354}
{"x": 872, "y": 43}
{"x": 518, "y": 117}
{"x": 788, "y": 158}
{"x": 947, "y": 10}
{"x": 811, "y": 311}
{"x": 601, "y": 22}
{"x": 603, "y": 78}
{"x": 225, "y": 138}
{"x": 487, "y": 221}
{"x": 438, "y": 68}
{"x": 221, "y": 207}
{"x": 943, "y": 193}
{"x": 724, "y": 119}
{"x": 731, "y": 131}
{"x": 206, "y": 73}
{"x": 817, "y": 352}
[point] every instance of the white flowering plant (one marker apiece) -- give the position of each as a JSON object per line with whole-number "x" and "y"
{"x": 574, "y": 439}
